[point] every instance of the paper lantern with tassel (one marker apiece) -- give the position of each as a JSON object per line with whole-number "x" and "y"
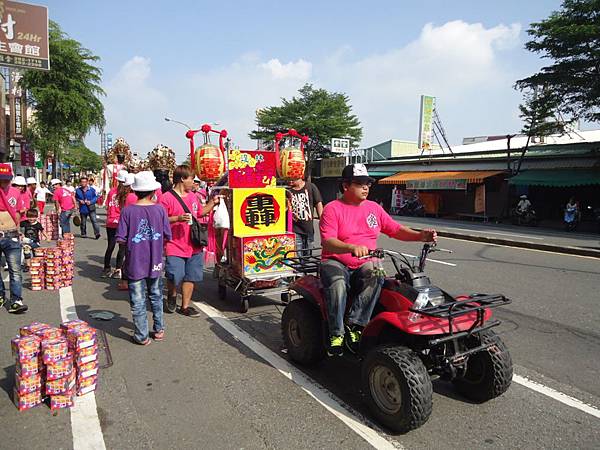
{"x": 290, "y": 160}
{"x": 209, "y": 162}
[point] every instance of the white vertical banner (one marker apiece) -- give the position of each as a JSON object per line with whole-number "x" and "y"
{"x": 426, "y": 122}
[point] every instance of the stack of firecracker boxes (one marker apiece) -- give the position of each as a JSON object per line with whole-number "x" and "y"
{"x": 52, "y": 267}
{"x": 54, "y": 364}
{"x": 50, "y": 224}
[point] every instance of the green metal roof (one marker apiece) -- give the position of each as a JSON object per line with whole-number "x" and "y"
{"x": 378, "y": 173}
{"x": 557, "y": 177}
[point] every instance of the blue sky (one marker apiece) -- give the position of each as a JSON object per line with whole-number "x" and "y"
{"x": 220, "y": 61}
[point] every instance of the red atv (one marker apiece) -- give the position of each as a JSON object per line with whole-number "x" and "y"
{"x": 403, "y": 348}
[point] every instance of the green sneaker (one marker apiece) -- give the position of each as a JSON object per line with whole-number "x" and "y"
{"x": 353, "y": 336}
{"x": 17, "y": 307}
{"x": 336, "y": 346}
{"x": 2, "y": 301}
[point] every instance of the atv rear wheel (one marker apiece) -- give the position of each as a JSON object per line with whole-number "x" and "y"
{"x": 489, "y": 372}
{"x": 302, "y": 331}
{"x": 397, "y": 387}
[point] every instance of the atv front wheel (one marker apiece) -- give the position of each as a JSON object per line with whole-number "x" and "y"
{"x": 302, "y": 331}
{"x": 489, "y": 372}
{"x": 397, "y": 387}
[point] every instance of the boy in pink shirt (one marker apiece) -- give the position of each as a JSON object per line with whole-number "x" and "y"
{"x": 185, "y": 262}
{"x": 64, "y": 201}
{"x": 349, "y": 228}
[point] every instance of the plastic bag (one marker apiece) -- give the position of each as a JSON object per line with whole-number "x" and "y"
{"x": 221, "y": 216}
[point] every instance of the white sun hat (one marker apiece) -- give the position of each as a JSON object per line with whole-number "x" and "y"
{"x": 129, "y": 178}
{"x": 145, "y": 182}
{"x": 122, "y": 176}
{"x": 31, "y": 180}
{"x": 54, "y": 181}
{"x": 19, "y": 181}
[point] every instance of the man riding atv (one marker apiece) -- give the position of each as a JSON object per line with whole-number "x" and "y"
{"x": 349, "y": 229}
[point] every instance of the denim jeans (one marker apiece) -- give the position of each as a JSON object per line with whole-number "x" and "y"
{"x": 93, "y": 219}
{"x": 65, "y": 221}
{"x": 12, "y": 251}
{"x": 303, "y": 241}
{"x": 339, "y": 281}
{"x": 139, "y": 292}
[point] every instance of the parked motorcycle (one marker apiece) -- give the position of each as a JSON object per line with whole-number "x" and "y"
{"x": 412, "y": 207}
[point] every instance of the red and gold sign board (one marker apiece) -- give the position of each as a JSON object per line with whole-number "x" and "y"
{"x": 251, "y": 169}
{"x": 258, "y": 255}
{"x": 258, "y": 211}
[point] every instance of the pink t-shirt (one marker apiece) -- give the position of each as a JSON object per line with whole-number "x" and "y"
{"x": 131, "y": 199}
{"x": 64, "y": 198}
{"x": 355, "y": 224}
{"x": 26, "y": 198}
{"x": 157, "y": 195}
{"x": 14, "y": 200}
{"x": 181, "y": 243}
{"x": 113, "y": 212}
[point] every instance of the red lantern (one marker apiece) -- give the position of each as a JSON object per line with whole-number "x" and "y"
{"x": 290, "y": 161}
{"x": 208, "y": 161}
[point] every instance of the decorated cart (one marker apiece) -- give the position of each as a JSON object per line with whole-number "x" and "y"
{"x": 258, "y": 238}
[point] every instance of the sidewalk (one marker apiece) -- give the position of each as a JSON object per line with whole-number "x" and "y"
{"x": 574, "y": 243}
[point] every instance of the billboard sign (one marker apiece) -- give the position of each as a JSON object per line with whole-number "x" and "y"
{"x": 426, "y": 122}
{"x": 437, "y": 184}
{"x": 341, "y": 146}
{"x": 332, "y": 167}
{"x": 24, "y": 35}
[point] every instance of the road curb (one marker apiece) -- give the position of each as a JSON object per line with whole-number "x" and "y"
{"x": 567, "y": 250}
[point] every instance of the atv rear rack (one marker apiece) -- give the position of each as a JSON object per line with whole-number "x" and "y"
{"x": 451, "y": 311}
{"x": 306, "y": 261}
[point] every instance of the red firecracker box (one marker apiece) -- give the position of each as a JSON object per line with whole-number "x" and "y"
{"x": 54, "y": 349}
{"x": 59, "y": 369}
{"x": 25, "y": 348}
{"x": 27, "y": 384}
{"x": 27, "y": 401}
{"x": 61, "y": 386}
{"x": 32, "y": 328}
{"x": 61, "y": 401}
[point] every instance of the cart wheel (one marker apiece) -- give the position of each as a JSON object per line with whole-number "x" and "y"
{"x": 286, "y": 297}
{"x": 222, "y": 292}
{"x": 245, "y": 304}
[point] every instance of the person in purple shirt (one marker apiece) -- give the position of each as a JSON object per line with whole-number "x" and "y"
{"x": 143, "y": 229}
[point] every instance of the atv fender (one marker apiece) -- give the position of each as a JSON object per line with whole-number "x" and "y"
{"x": 311, "y": 289}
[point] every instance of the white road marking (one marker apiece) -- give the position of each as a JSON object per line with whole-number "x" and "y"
{"x": 85, "y": 424}
{"x": 518, "y": 248}
{"x": 496, "y": 232}
{"x": 557, "y": 395}
{"x": 324, "y": 397}
{"x": 432, "y": 260}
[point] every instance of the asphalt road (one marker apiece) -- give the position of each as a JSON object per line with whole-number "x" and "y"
{"x": 202, "y": 388}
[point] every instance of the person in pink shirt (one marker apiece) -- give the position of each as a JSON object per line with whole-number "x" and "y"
{"x": 64, "y": 200}
{"x": 185, "y": 262}
{"x": 113, "y": 214}
{"x": 131, "y": 198}
{"x": 25, "y": 200}
{"x": 349, "y": 229}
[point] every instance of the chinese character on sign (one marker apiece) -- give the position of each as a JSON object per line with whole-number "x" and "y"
{"x": 9, "y": 27}
{"x": 260, "y": 210}
{"x": 32, "y": 50}
{"x": 15, "y": 47}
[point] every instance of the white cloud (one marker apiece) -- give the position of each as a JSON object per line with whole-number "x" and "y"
{"x": 299, "y": 70}
{"x": 467, "y": 66}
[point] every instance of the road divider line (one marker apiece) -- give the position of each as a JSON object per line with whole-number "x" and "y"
{"x": 557, "y": 395}
{"x": 330, "y": 402}
{"x": 498, "y": 233}
{"x": 432, "y": 260}
{"x": 85, "y": 424}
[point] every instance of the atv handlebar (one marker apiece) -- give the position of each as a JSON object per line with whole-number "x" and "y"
{"x": 428, "y": 248}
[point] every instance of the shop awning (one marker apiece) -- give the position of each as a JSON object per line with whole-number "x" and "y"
{"x": 557, "y": 178}
{"x": 469, "y": 176}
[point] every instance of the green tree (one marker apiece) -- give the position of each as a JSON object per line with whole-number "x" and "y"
{"x": 538, "y": 112}
{"x": 317, "y": 113}
{"x": 80, "y": 158}
{"x": 65, "y": 99}
{"x": 571, "y": 39}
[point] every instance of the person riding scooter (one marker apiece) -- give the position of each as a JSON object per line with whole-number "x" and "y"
{"x": 349, "y": 229}
{"x": 523, "y": 206}
{"x": 571, "y": 217}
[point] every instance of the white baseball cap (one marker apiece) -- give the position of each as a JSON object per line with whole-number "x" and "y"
{"x": 31, "y": 180}
{"x": 19, "y": 180}
{"x": 145, "y": 182}
{"x": 129, "y": 179}
{"x": 122, "y": 175}
{"x": 54, "y": 181}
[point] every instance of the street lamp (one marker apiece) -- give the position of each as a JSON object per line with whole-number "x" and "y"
{"x": 168, "y": 119}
